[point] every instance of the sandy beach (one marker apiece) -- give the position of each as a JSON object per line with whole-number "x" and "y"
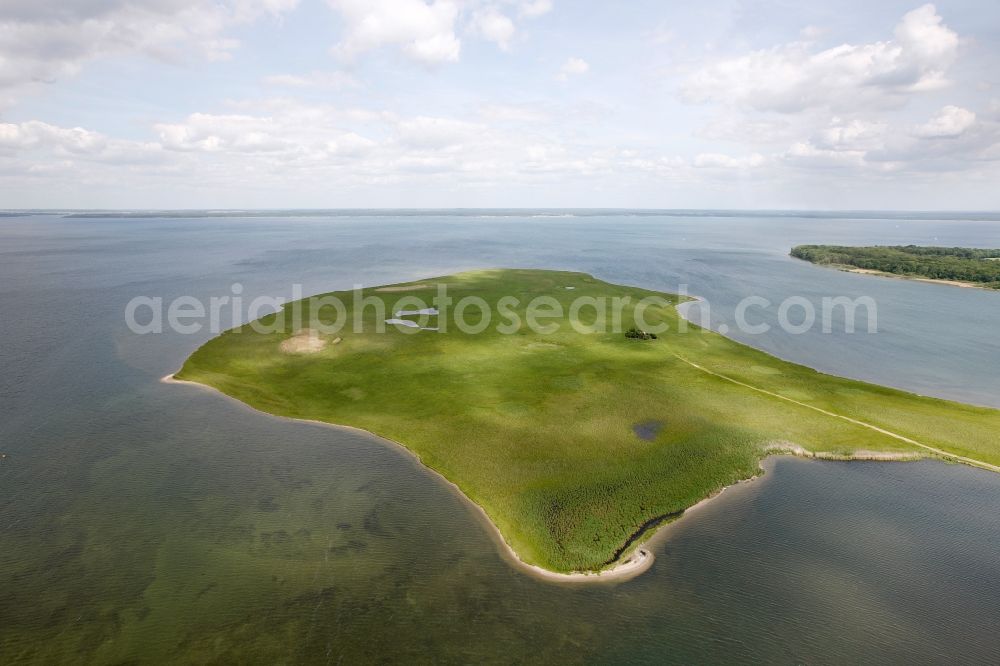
{"x": 914, "y": 278}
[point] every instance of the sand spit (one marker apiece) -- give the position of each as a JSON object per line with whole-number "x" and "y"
{"x": 788, "y": 448}
{"x": 403, "y": 287}
{"x": 914, "y": 278}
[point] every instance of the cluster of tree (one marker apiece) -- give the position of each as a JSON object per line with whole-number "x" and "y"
{"x": 637, "y": 334}
{"x": 940, "y": 263}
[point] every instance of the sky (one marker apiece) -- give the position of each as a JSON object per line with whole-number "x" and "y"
{"x": 792, "y": 104}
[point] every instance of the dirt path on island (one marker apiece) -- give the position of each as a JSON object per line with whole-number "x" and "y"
{"x": 863, "y": 424}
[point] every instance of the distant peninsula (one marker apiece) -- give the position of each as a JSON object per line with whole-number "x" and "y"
{"x": 576, "y": 445}
{"x": 963, "y": 266}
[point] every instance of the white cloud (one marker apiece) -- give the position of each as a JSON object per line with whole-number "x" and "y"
{"x": 531, "y": 114}
{"x": 34, "y": 133}
{"x": 737, "y": 127}
{"x": 63, "y": 145}
{"x": 834, "y": 111}
{"x": 316, "y": 79}
{"x": 274, "y": 143}
{"x": 224, "y": 133}
{"x": 876, "y": 145}
{"x": 852, "y": 135}
{"x": 424, "y": 32}
{"x": 949, "y": 123}
{"x": 41, "y": 42}
{"x": 573, "y": 67}
{"x": 806, "y": 154}
{"x": 424, "y": 132}
{"x": 493, "y": 26}
{"x": 721, "y": 161}
{"x": 350, "y": 145}
{"x": 793, "y": 77}
{"x": 535, "y": 8}
{"x": 299, "y": 149}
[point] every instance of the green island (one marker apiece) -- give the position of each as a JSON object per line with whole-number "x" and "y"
{"x": 962, "y": 265}
{"x": 578, "y": 445}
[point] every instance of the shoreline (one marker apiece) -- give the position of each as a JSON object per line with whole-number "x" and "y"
{"x": 847, "y": 268}
{"x": 640, "y": 559}
{"x": 913, "y": 278}
{"x": 636, "y": 562}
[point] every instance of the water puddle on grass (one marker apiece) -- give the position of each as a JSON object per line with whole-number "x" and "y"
{"x": 648, "y": 430}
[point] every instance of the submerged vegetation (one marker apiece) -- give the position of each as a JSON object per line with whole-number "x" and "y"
{"x": 553, "y": 435}
{"x": 979, "y": 266}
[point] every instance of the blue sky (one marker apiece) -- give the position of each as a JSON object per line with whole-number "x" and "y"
{"x": 464, "y": 103}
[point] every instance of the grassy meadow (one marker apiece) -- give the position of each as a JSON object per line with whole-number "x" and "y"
{"x": 538, "y": 428}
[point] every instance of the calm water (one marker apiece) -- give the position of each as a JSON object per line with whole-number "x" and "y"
{"x": 151, "y": 522}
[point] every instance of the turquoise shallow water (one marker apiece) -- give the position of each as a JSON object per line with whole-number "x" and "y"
{"x": 155, "y": 523}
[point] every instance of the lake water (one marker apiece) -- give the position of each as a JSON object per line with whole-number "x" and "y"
{"x": 148, "y": 522}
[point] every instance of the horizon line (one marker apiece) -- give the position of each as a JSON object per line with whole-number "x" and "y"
{"x": 492, "y": 208}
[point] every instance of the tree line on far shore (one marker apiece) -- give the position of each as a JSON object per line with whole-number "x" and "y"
{"x": 981, "y": 266}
